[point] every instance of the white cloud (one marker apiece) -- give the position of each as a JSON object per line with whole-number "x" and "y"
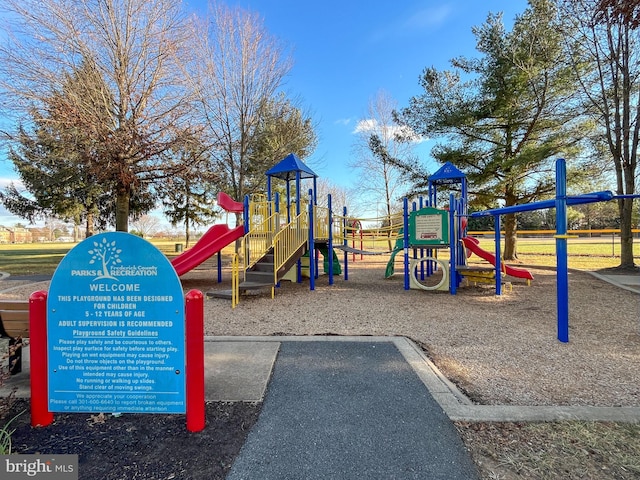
{"x": 371, "y": 126}
{"x": 343, "y": 121}
{"x": 428, "y": 18}
{"x": 423, "y": 21}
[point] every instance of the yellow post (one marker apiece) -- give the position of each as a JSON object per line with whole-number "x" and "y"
{"x": 235, "y": 269}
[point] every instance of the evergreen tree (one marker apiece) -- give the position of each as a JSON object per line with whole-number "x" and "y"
{"x": 54, "y": 160}
{"x": 282, "y": 128}
{"x": 503, "y": 118}
{"x": 190, "y": 194}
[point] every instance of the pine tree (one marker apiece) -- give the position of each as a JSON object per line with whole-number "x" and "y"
{"x": 503, "y": 118}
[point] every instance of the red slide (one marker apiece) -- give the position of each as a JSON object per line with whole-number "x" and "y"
{"x": 214, "y": 240}
{"x": 229, "y": 204}
{"x": 472, "y": 244}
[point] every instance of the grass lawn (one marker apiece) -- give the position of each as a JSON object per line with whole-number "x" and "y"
{"x": 43, "y": 258}
{"x": 584, "y": 253}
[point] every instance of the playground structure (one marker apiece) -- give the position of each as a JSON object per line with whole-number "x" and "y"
{"x": 428, "y": 229}
{"x": 276, "y": 234}
{"x": 279, "y": 234}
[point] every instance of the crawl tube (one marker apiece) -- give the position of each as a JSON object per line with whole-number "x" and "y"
{"x": 415, "y": 283}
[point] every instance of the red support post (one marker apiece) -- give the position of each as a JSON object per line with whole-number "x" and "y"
{"x": 40, "y": 414}
{"x": 194, "y": 311}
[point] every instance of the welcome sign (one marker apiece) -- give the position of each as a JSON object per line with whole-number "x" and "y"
{"x": 116, "y": 329}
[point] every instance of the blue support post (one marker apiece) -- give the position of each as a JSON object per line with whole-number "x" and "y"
{"x": 298, "y": 200}
{"x": 414, "y": 250}
{"x": 245, "y": 214}
{"x": 269, "y": 190}
{"x": 461, "y": 214}
{"x": 405, "y": 243}
{"x": 562, "y": 268}
{"x": 219, "y": 267}
{"x": 277, "y": 219}
{"x": 498, "y": 265}
{"x": 344, "y": 241}
{"x": 330, "y": 243}
{"x": 312, "y": 247}
{"x": 288, "y": 202}
{"x": 453, "y": 283}
{"x": 422, "y": 269}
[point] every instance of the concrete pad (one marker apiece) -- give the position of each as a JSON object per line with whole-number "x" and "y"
{"x": 629, "y": 280}
{"x": 626, "y": 282}
{"x": 238, "y": 371}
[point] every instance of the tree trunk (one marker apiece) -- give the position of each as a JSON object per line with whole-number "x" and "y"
{"x": 625, "y": 206}
{"x": 89, "y": 229}
{"x": 187, "y": 231}
{"x": 510, "y": 237}
{"x": 122, "y": 210}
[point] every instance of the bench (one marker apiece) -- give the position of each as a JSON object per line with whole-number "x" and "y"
{"x": 14, "y": 324}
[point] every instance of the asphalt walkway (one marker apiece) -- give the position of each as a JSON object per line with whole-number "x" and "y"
{"x": 347, "y": 410}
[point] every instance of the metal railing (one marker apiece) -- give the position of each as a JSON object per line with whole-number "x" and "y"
{"x": 267, "y": 233}
{"x": 321, "y": 223}
{"x": 289, "y": 239}
{"x": 259, "y": 239}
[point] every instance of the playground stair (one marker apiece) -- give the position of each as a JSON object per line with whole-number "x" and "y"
{"x": 261, "y": 275}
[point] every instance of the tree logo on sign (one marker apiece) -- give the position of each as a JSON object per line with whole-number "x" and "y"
{"x": 105, "y": 253}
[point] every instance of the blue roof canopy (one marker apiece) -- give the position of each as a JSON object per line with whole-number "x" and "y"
{"x": 447, "y": 174}
{"x": 289, "y": 168}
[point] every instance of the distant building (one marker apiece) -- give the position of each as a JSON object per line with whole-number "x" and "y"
{"x": 5, "y": 235}
{"x": 15, "y": 235}
{"x": 40, "y": 234}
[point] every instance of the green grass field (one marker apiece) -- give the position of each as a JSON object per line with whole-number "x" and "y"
{"x": 584, "y": 253}
{"x": 43, "y": 258}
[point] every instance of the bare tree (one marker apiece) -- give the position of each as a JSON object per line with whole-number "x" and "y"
{"x": 136, "y": 47}
{"x": 146, "y": 225}
{"x": 239, "y": 68}
{"x": 378, "y": 147}
{"x": 340, "y": 197}
{"x": 605, "y": 45}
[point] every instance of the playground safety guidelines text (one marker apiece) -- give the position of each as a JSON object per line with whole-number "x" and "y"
{"x": 429, "y": 227}
{"x": 114, "y": 353}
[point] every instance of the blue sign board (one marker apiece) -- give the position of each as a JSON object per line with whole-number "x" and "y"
{"x": 116, "y": 329}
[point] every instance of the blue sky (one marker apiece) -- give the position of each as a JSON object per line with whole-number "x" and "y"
{"x": 346, "y": 51}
